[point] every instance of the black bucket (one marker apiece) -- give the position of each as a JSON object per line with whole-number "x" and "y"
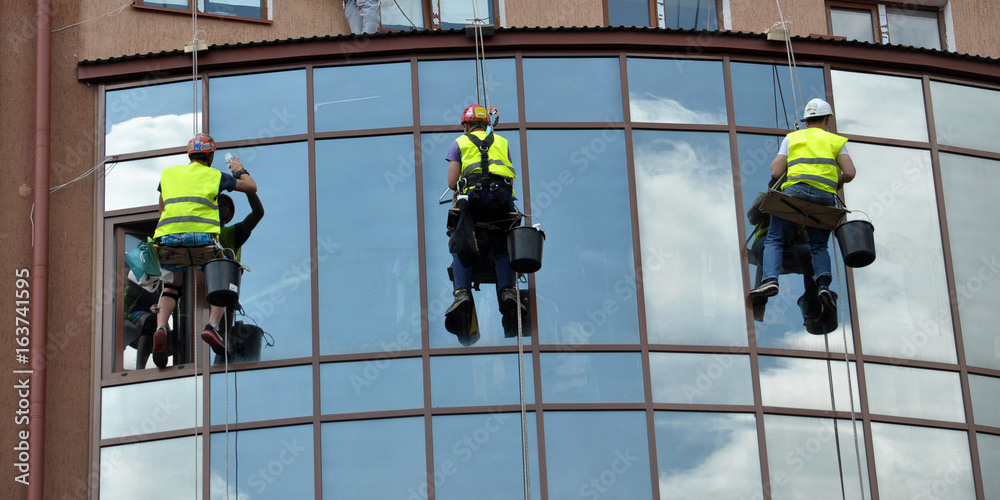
{"x": 857, "y": 242}
{"x": 524, "y": 244}
{"x": 222, "y": 282}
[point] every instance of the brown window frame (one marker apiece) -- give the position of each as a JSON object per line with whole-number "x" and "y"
{"x": 432, "y": 22}
{"x": 652, "y": 13}
{"x": 140, "y": 4}
{"x": 873, "y": 7}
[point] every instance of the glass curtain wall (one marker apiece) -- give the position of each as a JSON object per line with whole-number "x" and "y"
{"x": 639, "y": 334}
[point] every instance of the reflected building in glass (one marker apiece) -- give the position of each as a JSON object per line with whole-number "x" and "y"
{"x": 639, "y": 145}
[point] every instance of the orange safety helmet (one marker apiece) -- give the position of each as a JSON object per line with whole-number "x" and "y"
{"x": 475, "y": 113}
{"x": 201, "y": 143}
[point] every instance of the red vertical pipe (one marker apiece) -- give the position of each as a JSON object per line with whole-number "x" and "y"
{"x": 40, "y": 250}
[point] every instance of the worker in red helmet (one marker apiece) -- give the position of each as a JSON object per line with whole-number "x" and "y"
{"x": 189, "y": 217}
{"x": 481, "y": 174}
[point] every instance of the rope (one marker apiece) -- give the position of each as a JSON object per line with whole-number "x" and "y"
{"x": 103, "y": 15}
{"x": 484, "y": 95}
{"x": 524, "y": 410}
{"x": 196, "y": 353}
{"x": 225, "y": 344}
{"x": 850, "y": 385}
{"x": 836, "y": 428}
{"x": 194, "y": 68}
{"x": 791, "y": 59}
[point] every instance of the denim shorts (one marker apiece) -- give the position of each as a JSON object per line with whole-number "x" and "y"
{"x": 184, "y": 240}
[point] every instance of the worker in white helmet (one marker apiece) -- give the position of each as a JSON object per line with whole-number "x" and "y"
{"x": 817, "y": 164}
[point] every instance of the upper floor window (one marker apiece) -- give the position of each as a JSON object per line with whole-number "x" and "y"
{"x": 887, "y": 23}
{"x": 443, "y": 14}
{"x": 676, "y": 14}
{"x": 249, "y": 9}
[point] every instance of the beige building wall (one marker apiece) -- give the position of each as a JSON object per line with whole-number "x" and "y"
{"x": 554, "y": 13}
{"x": 975, "y": 24}
{"x": 802, "y": 17}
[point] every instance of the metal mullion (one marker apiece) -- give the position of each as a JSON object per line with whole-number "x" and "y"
{"x": 949, "y": 272}
{"x": 640, "y": 294}
{"x": 315, "y": 359}
{"x": 862, "y": 411}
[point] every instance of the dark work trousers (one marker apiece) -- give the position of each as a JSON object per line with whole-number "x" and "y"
{"x": 487, "y": 205}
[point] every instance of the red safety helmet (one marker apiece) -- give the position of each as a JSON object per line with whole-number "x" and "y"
{"x": 475, "y": 113}
{"x": 201, "y": 143}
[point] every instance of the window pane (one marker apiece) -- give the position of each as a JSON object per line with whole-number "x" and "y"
{"x": 913, "y": 392}
{"x": 918, "y": 28}
{"x": 628, "y": 12}
{"x": 764, "y": 96}
{"x": 586, "y": 286}
{"x": 572, "y": 90}
{"x": 375, "y": 385}
{"x": 783, "y": 323}
{"x": 966, "y": 116}
{"x": 903, "y": 306}
{"x": 917, "y": 461}
{"x": 481, "y": 457}
{"x": 808, "y": 455}
{"x": 879, "y": 106}
{"x": 159, "y": 470}
{"x": 805, "y": 383}
{"x": 853, "y": 24}
{"x": 238, "y": 8}
{"x": 989, "y": 460}
{"x": 612, "y": 461}
{"x": 363, "y": 97}
{"x": 701, "y": 378}
{"x": 262, "y": 394}
{"x": 402, "y": 14}
{"x": 258, "y": 106}
{"x": 676, "y": 91}
{"x": 690, "y": 258}
{"x": 457, "y": 14}
{"x": 374, "y": 459}
{"x": 276, "y": 294}
{"x": 487, "y": 380}
{"x": 148, "y": 118}
{"x": 687, "y": 14}
{"x": 446, "y": 87}
{"x": 369, "y": 280}
{"x": 985, "y": 399}
{"x": 132, "y": 184}
{"x": 591, "y": 377}
{"x": 274, "y": 463}
{"x": 692, "y": 449}
{"x": 149, "y": 407}
{"x": 170, "y": 4}
{"x": 970, "y": 186}
{"x": 433, "y": 148}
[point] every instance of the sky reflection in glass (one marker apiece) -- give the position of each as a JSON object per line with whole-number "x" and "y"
{"x": 369, "y": 278}
{"x": 590, "y": 377}
{"x": 583, "y": 89}
{"x": 966, "y": 116}
{"x": 579, "y": 193}
{"x": 267, "y": 394}
{"x": 374, "y": 385}
{"x": 148, "y": 118}
{"x": 916, "y": 461}
{"x": 447, "y": 87}
{"x": 676, "y": 91}
{"x": 278, "y": 105}
{"x": 250, "y": 464}
{"x": 879, "y": 106}
{"x": 763, "y": 95}
{"x": 374, "y": 459}
{"x": 807, "y": 456}
{"x": 153, "y": 469}
{"x": 362, "y": 97}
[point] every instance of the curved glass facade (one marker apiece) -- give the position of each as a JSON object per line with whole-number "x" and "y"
{"x": 645, "y": 374}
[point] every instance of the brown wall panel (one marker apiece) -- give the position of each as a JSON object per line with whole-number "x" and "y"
{"x": 975, "y": 23}
{"x": 521, "y": 13}
{"x": 806, "y": 17}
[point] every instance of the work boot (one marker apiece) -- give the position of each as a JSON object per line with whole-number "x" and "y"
{"x": 769, "y": 288}
{"x": 827, "y": 298}
{"x": 508, "y": 311}
{"x": 458, "y": 317}
{"x": 160, "y": 356}
{"x": 213, "y": 339}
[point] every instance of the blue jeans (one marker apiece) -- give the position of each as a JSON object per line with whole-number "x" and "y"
{"x": 819, "y": 239}
{"x": 486, "y": 206}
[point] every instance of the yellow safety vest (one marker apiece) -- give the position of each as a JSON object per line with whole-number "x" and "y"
{"x": 472, "y": 158}
{"x": 190, "y": 200}
{"x": 812, "y": 158}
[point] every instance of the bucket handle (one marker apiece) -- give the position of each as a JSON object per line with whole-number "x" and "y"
{"x": 867, "y": 217}
{"x": 537, "y": 225}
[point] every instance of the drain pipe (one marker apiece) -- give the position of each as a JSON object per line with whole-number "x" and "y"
{"x": 40, "y": 250}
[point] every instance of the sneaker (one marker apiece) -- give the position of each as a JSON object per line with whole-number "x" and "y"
{"x": 457, "y": 318}
{"x": 212, "y": 338}
{"x": 827, "y": 298}
{"x": 768, "y": 288}
{"x": 160, "y": 356}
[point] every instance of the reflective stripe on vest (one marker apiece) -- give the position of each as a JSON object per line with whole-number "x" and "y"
{"x": 190, "y": 200}
{"x": 472, "y": 158}
{"x": 812, "y": 158}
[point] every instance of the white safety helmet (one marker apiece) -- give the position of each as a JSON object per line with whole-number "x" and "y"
{"x": 817, "y": 108}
